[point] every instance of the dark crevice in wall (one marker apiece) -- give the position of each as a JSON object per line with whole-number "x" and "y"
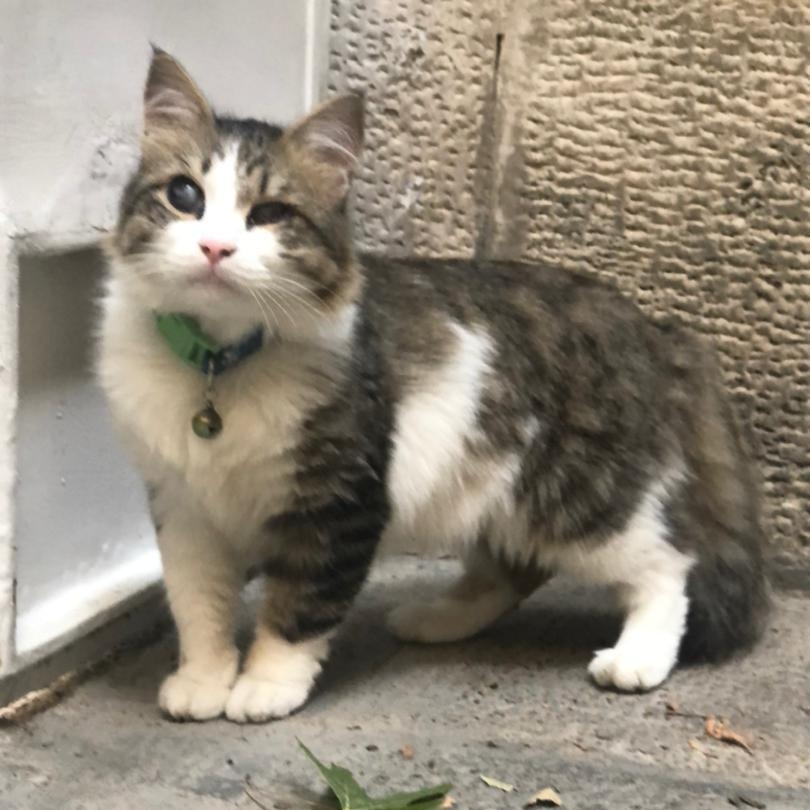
{"x": 498, "y": 46}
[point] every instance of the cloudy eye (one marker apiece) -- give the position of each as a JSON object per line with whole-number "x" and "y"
{"x": 269, "y": 213}
{"x": 186, "y": 196}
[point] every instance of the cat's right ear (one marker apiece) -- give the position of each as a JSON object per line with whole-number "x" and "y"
{"x": 330, "y": 139}
{"x": 172, "y": 102}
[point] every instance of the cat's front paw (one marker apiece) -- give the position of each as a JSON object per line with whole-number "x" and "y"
{"x": 631, "y": 668}
{"x": 255, "y": 700}
{"x": 277, "y": 680}
{"x": 186, "y": 695}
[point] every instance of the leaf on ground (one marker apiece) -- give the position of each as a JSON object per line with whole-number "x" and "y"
{"x": 497, "y": 784}
{"x": 352, "y": 796}
{"x": 406, "y": 751}
{"x": 547, "y": 797}
{"x": 718, "y": 730}
{"x": 448, "y": 802}
{"x": 37, "y": 701}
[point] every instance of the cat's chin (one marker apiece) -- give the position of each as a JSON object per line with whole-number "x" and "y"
{"x": 226, "y": 313}
{"x": 211, "y": 281}
{"x": 205, "y": 300}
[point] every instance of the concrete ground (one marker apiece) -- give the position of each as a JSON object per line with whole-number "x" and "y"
{"x": 513, "y": 704}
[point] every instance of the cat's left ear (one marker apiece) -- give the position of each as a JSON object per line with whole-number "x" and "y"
{"x": 331, "y": 139}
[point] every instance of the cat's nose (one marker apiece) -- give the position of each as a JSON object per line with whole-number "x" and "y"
{"x": 216, "y": 251}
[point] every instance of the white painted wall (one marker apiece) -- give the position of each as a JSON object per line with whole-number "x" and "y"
{"x": 71, "y": 75}
{"x": 8, "y": 407}
{"x": 83, "y": 536}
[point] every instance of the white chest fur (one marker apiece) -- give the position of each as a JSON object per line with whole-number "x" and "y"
{"x": 245, "y": 473}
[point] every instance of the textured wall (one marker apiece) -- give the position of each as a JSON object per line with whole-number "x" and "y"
{"x": 427, "y": 68}
{"x": 665, "y": 145}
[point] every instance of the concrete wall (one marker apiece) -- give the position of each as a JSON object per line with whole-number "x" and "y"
{"x": 75, "y": 544}
{"x": 664, "y": 145}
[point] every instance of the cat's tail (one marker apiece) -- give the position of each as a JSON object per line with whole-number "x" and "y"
{"x": 719, "y": 512}
{"x": 728, "y": 604}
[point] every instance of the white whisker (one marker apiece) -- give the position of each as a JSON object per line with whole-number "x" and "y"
{"x": 281, "y": 280}
{"x": 273, "y": 301}
{"x": 262, "y": 310}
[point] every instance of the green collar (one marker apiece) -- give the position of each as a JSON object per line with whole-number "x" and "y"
{"x": 187, "y": 341}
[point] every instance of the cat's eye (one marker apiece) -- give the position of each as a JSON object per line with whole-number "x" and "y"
{"x": 269, "y": 213}
{"x": 186, "y": 196}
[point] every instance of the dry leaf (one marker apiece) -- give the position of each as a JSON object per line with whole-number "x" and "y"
{"x": 547, "y": 797}
{"x": 22, "y": 709}
{"x": 35, "y": 702}
{"x": 448, "y": 802}
{"x": 406, "y": 751}
{"x": 719, "y": 731}
{"x": 497, "y": 784}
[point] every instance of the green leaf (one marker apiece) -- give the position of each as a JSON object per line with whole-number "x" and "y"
{"x": 352, "y": 796}
{"x": 427, "y": 799}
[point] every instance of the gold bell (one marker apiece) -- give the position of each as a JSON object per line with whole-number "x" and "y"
{"x": 207, "y": 423}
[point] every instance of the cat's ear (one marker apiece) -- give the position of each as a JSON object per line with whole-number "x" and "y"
{"x": 172, "y": 102}
{"x": 331, "y": 138}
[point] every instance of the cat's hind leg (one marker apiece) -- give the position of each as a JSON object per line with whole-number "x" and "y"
{"x": 485, "y": 591}
{"x": 647, "y": 649}
{"x": 651, "y": 575}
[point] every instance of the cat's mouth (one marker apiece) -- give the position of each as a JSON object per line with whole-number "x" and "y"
{"x": 213, "y": 278}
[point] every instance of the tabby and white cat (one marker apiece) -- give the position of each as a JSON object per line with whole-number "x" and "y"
{"x": 529, "y": 419}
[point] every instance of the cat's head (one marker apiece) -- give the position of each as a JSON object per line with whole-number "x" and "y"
{"x": 238, "y": 219}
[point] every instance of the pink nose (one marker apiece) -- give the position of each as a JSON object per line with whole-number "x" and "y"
{"x": 216, "y": 251}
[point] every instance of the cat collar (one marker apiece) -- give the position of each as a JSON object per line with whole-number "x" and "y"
{"x": 188, "y": 342}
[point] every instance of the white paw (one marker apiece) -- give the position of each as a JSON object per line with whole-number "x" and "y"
{"x": 187, "y": 696}
{"x": 254, "y": 700}
{"x": 631, "y": 669}
{"x": 278, "y": 678}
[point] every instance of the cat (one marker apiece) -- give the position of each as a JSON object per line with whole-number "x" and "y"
{"x": 291, "y": 403}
